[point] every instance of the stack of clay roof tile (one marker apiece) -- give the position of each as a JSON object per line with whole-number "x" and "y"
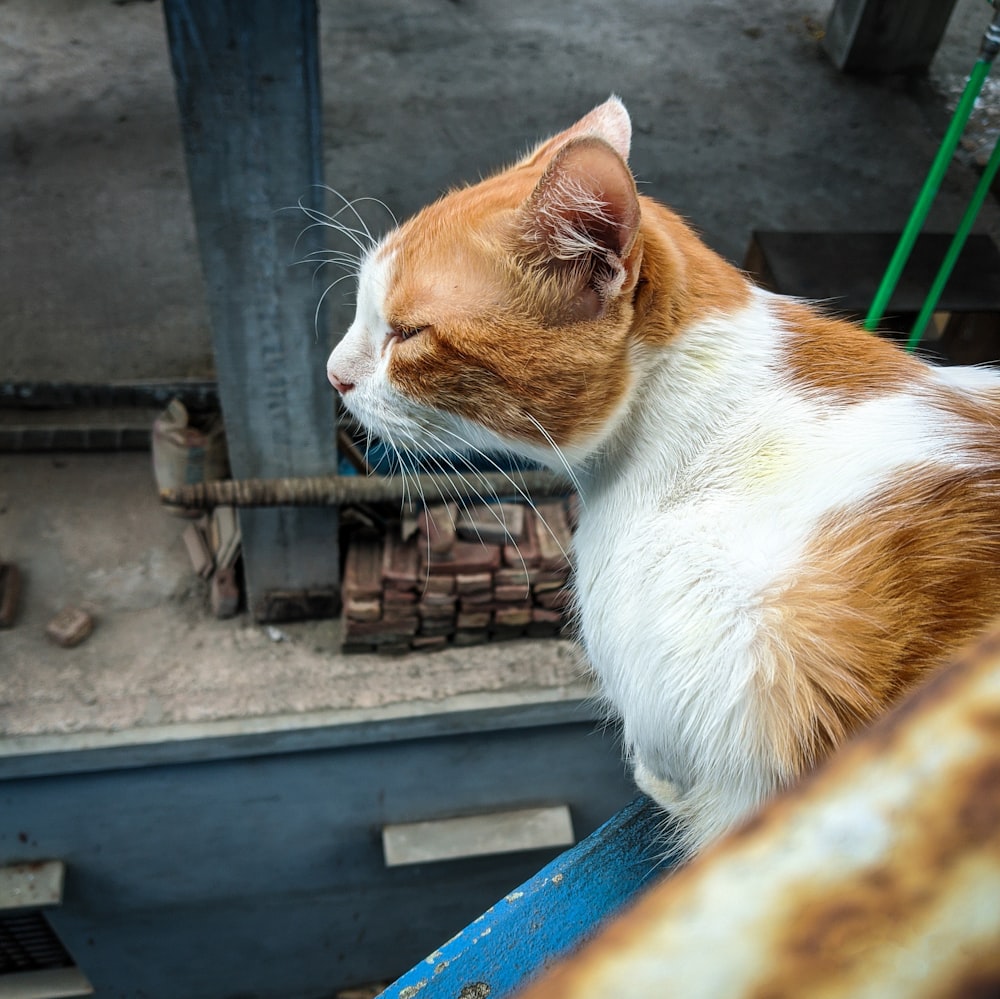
{"x": 451, "y": 576}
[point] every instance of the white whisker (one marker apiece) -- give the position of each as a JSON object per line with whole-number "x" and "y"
{"x": 555, "y": 447}
{"x": 518, "y": 489}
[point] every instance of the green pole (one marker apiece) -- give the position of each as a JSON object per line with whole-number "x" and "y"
{"x": 927, "y": 193}
{"x": 958, "y": 241}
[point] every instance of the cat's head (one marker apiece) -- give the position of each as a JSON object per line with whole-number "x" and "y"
{"x": 500, "y": 314}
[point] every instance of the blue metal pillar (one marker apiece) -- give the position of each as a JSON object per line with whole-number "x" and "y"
{"x": 248, "y": 91}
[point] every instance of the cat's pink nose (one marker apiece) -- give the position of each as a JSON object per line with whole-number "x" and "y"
{"x": 341, "y": 386}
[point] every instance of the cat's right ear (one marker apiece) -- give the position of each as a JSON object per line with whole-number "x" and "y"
{"x": 609, "y": 121}
{"x": 581, "y": 225}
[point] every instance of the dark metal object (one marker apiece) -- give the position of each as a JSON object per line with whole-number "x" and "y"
{"x": 196, "y": 394}
{"x": 886, "y": 36}
{"x": 334, "y": 490}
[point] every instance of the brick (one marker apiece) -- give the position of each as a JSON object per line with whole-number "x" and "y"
{"x": 437, "y": 625}
{"x": 400, "y": 564}
{"x": 554, "y": 599}
{"x": 224, "y": 594}
{"x": 437, "y": 621}
{"x": 70, "y": 627}
{"x": 466, "y": 558}
{"x": 470, "y": 600}
{"x": 545, "y": 623}
{"x": 467, "y": 620}
{"x": 493, "y": 523}
{"x": 546, "y": 581}
{"x": 10, "y": 593}
{"x": 363, "y": 567}
{"x": 363, "y": 610}
{"x": 379, "y": 632}
{"x": 471, "y": 637}
{"x": 525, "y": 552}
{"x": 399, "y": 597}
{"x": 512, "y": 594}
{"x": 541, "y": 615}
{"x": 436, "y": 526}
{"x": 555, "y": 543}
{"x": 198, "y": 550}
{"x": 476, "y": 582}
{"x": 398, "y": 621}
{"x": 428, "y": 643}
{"x": 438, "y": 585}
{"x": 437, "y": 628}
{"x": 224, "y": 536}
{"x": 430, "y": 600}
{"x": 514, "y": 576}
{"x": 512, "y": 617}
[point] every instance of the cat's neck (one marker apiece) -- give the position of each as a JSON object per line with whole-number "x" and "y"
{"x": 701, "y": 334}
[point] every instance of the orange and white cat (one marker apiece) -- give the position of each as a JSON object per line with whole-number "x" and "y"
{"x": 785, "y": 522}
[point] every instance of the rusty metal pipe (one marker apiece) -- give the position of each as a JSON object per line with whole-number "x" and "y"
{"x": 879, "y": 876}
{"x": 336, "y": 490}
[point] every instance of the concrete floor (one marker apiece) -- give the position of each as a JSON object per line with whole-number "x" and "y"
{"x": 88, "y": 530}
{"x": 741, "y": 123}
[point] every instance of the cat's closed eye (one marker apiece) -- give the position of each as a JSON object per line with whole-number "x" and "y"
{"x": 399, "y": 332}
{"x": 403, "y": 332}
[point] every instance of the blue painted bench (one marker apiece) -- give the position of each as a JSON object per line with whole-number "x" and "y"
{"x": 548, "y": 915}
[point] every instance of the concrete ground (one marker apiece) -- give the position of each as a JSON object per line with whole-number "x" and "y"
{"x": 88, "y": 530}
{"x": 740, "y": 123}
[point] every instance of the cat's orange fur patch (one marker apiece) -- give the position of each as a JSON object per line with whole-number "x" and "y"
{"x": 501, "y": 343}
{"x": 488, "y": 352}
{"x": 854, "y": 630}
{"x": 839, "y": 359}
{"x": 681, "y": 280}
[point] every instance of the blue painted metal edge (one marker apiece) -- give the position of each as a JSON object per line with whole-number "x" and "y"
{"x": 548, "y": 915}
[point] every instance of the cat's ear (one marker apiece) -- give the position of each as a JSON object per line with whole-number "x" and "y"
{"x": 582, "y": 222}
{"x": 608, "y": 121}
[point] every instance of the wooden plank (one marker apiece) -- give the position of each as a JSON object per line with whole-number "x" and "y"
{"x": 886, "y": 36}
{"x": 247, "y": 78}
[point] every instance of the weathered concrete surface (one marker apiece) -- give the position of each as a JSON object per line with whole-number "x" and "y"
{"x": 89, "y": 530}
{"x": 740, "y": 120}
{"x": 740, "y": 123}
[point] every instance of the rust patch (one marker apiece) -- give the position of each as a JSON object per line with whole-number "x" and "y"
{"x": 978, "y": 810}
{"x": 847, "y": 926}
{"x": 839, "y": 929}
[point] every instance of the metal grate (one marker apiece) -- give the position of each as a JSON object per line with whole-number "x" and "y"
{"x": 28, "y": 943}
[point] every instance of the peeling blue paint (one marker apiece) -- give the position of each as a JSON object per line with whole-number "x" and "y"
{"x": 548, "y": 915}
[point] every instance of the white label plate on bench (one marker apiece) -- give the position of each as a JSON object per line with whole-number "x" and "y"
{"x": 477, "y": 835}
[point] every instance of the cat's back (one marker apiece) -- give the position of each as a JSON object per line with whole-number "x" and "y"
{"x": 831, "y": 534}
